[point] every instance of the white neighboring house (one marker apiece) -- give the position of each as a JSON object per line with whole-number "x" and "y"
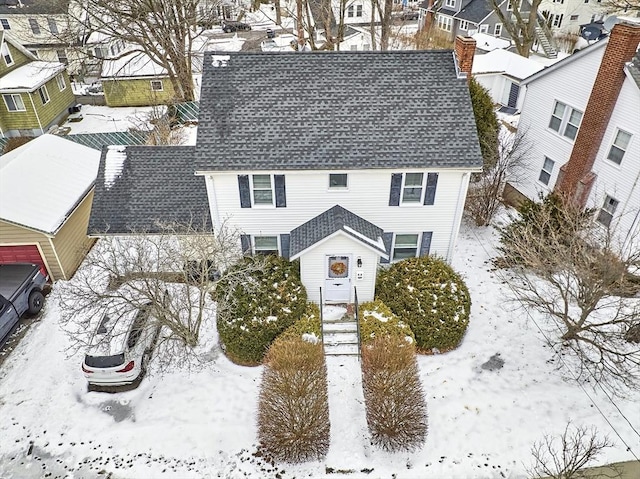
{"x": 584, "y": 115}
{"x": 501, "y": 72}
{"x": 566, "y": 16}
{"x": 315, "y": 167}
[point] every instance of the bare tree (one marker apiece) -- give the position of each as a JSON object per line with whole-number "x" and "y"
{"x": 508, "y": 153}
{"x": 624, "y": 7}
{"x": 163, "y": 30}
{"x": 383, "y": 9}
{"x": 520, "y": 24}
{"x": 576, "y": 274}
{"x": 566, "y": 456}
{"x": 171, "y": 272}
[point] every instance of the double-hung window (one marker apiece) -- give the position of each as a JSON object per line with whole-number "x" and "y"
{"x": 412, "y": 188}
{"x": 497, "y": 30}
{"x": 607, "y": 211}
{"x": 6, "y": 54}
{"x": 265, "y": 245}
{"x": 565, "y": 120}
{"x": 156, "y": 85}
{"x": 547, "y": 169}
{"x": 350, "y": 11}
{"x": 450, "y": 3}
{"x": 14, "y": 102}
{"x": 44, "y": 94}
{"x": 35, "y": 26}
{"x": 60, "y": 81}
{"x": 444, "y": 23}
{"x": 405, "y": 246}
{"x": 358, "y": 10}
{"x": 53, "y": 26}
{"x": 619, "y": 146}
{"x": 262, "y": 191}
{"x": 5, "y": 24}
{"x": 464, "y": 25}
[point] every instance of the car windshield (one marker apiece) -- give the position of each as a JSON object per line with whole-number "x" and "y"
{"x": 104, "y": 361}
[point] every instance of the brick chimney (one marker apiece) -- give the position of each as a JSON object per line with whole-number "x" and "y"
{"x": 465, "y": 48}
{"x": 576, "y": 178}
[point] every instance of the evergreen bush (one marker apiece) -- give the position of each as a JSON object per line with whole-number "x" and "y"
{"x": 377, "y": 321}
{"x": 428, "y": 295}
{"x": 251, "y": 314}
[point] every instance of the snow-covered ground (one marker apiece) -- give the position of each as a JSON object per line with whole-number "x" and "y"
{"x": 482, "y": 422}
{"x": 104, "y": 119}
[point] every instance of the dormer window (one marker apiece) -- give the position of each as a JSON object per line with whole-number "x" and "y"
{"x": 450, "y": 3}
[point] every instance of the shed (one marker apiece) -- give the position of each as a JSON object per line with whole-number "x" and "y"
{"x": 46, "y": 191}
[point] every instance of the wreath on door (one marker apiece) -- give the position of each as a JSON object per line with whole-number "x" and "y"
{"x": 338, "y": 268}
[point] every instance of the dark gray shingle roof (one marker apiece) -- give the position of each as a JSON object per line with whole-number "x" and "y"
{"x": 335, "y": 219}
{"x": 335, "y": 110}
{"x": 156, "y": 184}
{"x": 475, "y": 11}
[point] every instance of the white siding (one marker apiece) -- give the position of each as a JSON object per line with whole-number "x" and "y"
{"x": 570, "y": 85}
{"x": 308, "y": 195}
{"x": 621, "y": 181}
{"x": 313, "y": 267}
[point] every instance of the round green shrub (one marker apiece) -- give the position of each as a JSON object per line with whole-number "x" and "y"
{"x": 428, "y": 295}
{"x": 253, "y": 312}
{"x": 377, "y": 321}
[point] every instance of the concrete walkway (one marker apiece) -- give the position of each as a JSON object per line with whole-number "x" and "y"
{"x": 349, "y": 432}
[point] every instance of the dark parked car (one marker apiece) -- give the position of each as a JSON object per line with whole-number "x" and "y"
{"x": 231, "y": 26}
{"x": 21, "y": 286}
{"x": 409, "y": 15}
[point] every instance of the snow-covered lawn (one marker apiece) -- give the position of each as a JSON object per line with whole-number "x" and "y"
{"x": 482, "y": 423}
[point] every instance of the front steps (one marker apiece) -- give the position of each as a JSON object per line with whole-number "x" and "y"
{"x": 339, "y": 331}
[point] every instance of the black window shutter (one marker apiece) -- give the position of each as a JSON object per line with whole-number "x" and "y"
{"x": 396, "y": 186}
{"x": 281, "y": 194}
{"x": 245, "y": 193}
{"x": 284, "y": 245}
{"x": 430, "y": 194}
{"x": 245, "y": 241}
{"x": 387, "y": 239}
{"x": 425, "y": 245}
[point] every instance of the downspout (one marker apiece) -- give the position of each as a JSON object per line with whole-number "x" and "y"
{"x": 462, "y": 196}
{"x": 36, "y": 112}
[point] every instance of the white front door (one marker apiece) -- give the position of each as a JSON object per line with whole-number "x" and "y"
{"x": 337, "y": 287}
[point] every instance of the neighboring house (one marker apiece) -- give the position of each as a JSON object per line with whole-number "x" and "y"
{"x": 45, "y": 28}
{"x": 316, "y": 167}
{"x": 566, "y": 16}
{"x": 46, "y": 191}
{"x": 135, "y": 80}
{"x": 501, "y": 72}
{"x": 584, "y": 114}
{"x": 36, "y": 95}
{"x": 488, "y": 43}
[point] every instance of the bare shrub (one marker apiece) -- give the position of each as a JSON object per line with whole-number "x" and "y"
{"x": 566, "y": 456}
{"x": 293, "y": 410}
{"x": 395, "y": 406}
{"x": 15, "y": 142}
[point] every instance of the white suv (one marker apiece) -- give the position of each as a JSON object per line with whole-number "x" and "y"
{"x": 121, "y": 348}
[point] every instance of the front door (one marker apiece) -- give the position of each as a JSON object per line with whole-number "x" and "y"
{"x": 338, "y": 279}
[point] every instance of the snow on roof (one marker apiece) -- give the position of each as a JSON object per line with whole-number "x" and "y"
{"x": 114, "y": 162}
{"x": 233, "y": 44}
{"x": 489, "y": 43}
{"x": 509, "y": 63}
{"x": 42, "y": 181}
{"x": 134, "y": 64}
{"x": 30, "y": 76}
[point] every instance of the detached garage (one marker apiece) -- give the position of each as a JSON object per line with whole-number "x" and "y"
{"x": 46, "y": 191}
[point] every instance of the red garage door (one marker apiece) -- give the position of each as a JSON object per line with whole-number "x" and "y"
{"x": 22, "y": 254}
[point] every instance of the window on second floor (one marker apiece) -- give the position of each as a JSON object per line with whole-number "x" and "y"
{"x": 14, "y": 102}
{"x": 450, "y": 3}
{"x": 607, "y": 211}
{"x": 547, "y": 169}
{"x": 53, "y": 26}
{"x": 62, "y": 56}
{"x": 619, "y": 146}
{"x": 6, "y": 54}
{"x": 338, "y": 181}
{"x": 565, "y": 120}
{"x": 5, "y": 24}
{"x": 413, "y": 189}
{"x": 44, "y": 94}
{"x": 262, "y": 191}
{"x": 358, "y": 10}
{"x": 464, "y": 25}
{"x": 354, "y": 11}
{"x": 497, "y": 30}
{"x": 444, "y": 23}
{"x": 60, "y": 81}
{"x": 35, "y": 26}
{"x": 156, "y": 85}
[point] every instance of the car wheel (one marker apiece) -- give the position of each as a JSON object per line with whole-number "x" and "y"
{"x": 36, "y": 301}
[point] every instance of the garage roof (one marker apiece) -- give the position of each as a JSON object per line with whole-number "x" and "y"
{"x": 43, "y": 181}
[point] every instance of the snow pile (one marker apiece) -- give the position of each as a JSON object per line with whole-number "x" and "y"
{"x": 114, "y": 163}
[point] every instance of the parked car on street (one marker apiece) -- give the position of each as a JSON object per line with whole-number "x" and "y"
{"x": 121, "y": 348}
{"x": 21, "y": 286}
{"x": 232, "y": 26}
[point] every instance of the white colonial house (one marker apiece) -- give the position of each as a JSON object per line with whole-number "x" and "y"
{"x": 566, "y": 16}
{"x": 583, "y": 116}
{"x": 331, "y": 165}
